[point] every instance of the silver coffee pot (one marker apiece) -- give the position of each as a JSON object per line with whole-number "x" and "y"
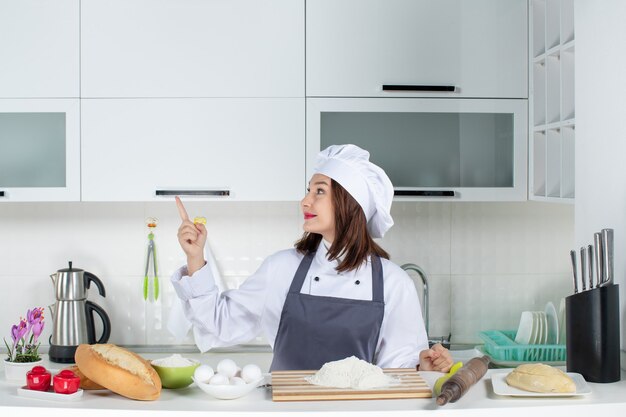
{"x": 73, "y": 315}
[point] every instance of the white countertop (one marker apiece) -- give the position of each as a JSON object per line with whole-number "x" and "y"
{"x": 479, "y": 401}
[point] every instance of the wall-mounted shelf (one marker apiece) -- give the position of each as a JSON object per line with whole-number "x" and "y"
{"x": 551, "y": 100}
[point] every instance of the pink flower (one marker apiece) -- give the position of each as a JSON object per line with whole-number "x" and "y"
{"x": 25, "y": 344}
{"x": 18, "y": 331}
{"x": 35, "y": 315}
{"x": 37, "y": 329}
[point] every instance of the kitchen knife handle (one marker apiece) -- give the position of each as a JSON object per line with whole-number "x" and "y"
{"x": 590, "y": 265}
{"x": 195, "y": 193}
{"x": 583, "y": 267}
{"x": 597, "y": 242}
{"x": 419, "y": 87}
{"x": 607, "y": 243}
{"x": 423, "y": 193}
{"x": 572, "y": 255}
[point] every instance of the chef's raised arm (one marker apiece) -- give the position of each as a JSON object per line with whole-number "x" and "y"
{"x": 192, "y": 238}
{"x": 222, "y": 319}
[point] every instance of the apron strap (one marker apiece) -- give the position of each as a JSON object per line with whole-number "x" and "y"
{"x": 298, "y": 279}
{"x": 377, "y": 280}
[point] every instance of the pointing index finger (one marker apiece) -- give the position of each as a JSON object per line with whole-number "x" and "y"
{"x": 181, "y": 209}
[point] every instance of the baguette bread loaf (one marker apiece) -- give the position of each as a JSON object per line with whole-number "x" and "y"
{"x": 119, "y": 370}
{"x": 85, "y": 383}
{"x": 538, "y": 377}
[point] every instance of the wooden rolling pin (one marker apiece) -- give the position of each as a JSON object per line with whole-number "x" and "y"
{"x": 459, "y": 383}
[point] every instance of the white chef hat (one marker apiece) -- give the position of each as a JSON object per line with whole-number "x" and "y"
{"x": 349, "y": 165}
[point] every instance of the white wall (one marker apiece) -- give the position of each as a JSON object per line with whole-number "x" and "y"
{"x": 601, "y": 129}
{"x": 486, "y": 261}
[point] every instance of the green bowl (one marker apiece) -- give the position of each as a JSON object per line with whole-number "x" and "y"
{"x": 176, "y": 377}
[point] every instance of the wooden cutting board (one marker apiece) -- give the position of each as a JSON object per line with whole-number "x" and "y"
{"x": 291, "y": 386}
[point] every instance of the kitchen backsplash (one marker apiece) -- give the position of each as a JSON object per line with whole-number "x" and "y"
{"x": 486, "y": 262}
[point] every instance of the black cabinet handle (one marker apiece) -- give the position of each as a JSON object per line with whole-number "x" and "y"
{"x": 213, "y": 193}
{"x": 422, "y": 193}
{"x": 433, "y": 88}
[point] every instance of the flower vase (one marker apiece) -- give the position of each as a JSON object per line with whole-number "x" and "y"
{"x": 16, "y": 371}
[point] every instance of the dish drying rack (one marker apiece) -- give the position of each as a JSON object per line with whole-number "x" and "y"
{"x": 501, "y": 346}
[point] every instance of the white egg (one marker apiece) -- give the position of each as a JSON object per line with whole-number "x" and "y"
{"x": 227, "y": 367}
{"x": 219, "y": 379}
{"x": 251, "y": 373}
{"x": 237, "y": 381}
{"x": 203, "y": 373}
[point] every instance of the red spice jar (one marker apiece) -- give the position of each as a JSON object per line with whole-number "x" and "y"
{"x": 66, "y": 382}
{"x": 38, "y": 379}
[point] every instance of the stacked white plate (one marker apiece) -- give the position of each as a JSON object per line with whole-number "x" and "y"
{"x": 538, "y": 327}
{"x": 552, "y": 321}
{"x": 562, "y": 331}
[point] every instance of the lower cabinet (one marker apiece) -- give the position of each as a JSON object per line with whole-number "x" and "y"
{"x": 212, "y": 149}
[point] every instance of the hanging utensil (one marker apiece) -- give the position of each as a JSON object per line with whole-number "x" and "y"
{"x": 151, "y": 222}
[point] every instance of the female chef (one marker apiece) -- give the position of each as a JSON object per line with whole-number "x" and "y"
{"x": 334, "y": 295}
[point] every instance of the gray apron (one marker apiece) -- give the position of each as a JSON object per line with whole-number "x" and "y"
{"x": 314, "y": 330}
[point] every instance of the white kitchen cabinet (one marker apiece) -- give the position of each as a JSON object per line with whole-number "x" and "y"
{"x": 235, "y": 149}
{"x": 551, "y": 100}
{"x": 192, "y": 48}
{"x": 39, "y": 150}
{"x": 39, "y": 48}
{"x": 478, "y": 47}
{"x": 433, "y": 149}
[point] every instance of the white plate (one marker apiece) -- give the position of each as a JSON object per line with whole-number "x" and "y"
{"x": 553, "y": 324}
{"x": 48, "y": 395}
{"x": 533, "y": 330}
{"x": 500, "y": 387}
{"x": 562, "y": 322}
{"x": 229, "y": 392}
{"x": 542, "y": 324}
{"x": 525, "y": 329}
{"x": 538, "y": 329}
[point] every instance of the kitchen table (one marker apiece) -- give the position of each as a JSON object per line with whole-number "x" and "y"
{"x": 605, "y": 399}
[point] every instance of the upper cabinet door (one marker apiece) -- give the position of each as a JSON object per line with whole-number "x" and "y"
{"x": 192, "y": 48}
{"x": 478, "y": 48}
{"x": 214, "y": 149}
{"x": 39, "y": 150}
{"x": 39, "y": 45}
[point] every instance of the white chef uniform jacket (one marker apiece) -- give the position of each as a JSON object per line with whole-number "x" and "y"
{"x": 237, "y": 316}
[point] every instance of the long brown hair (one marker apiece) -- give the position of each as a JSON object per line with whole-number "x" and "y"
{"x": 352, "y": 240}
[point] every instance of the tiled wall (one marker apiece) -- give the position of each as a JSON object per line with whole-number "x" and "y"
{"x": 486, "y": 262}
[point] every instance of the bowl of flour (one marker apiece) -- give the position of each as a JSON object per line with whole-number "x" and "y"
{"x": 175, "y": 371}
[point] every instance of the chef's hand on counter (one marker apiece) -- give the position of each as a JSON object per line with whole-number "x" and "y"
{"x": 192, "y": 237}
{"x": 437, "y": 358}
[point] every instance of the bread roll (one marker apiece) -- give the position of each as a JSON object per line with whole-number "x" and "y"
{"x": 538, "y": 377}
{"x": 85, "y": 383}
{"x": 119, "y": 370}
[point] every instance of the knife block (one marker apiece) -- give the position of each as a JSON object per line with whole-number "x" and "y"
{"x": 593, "y": 332}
